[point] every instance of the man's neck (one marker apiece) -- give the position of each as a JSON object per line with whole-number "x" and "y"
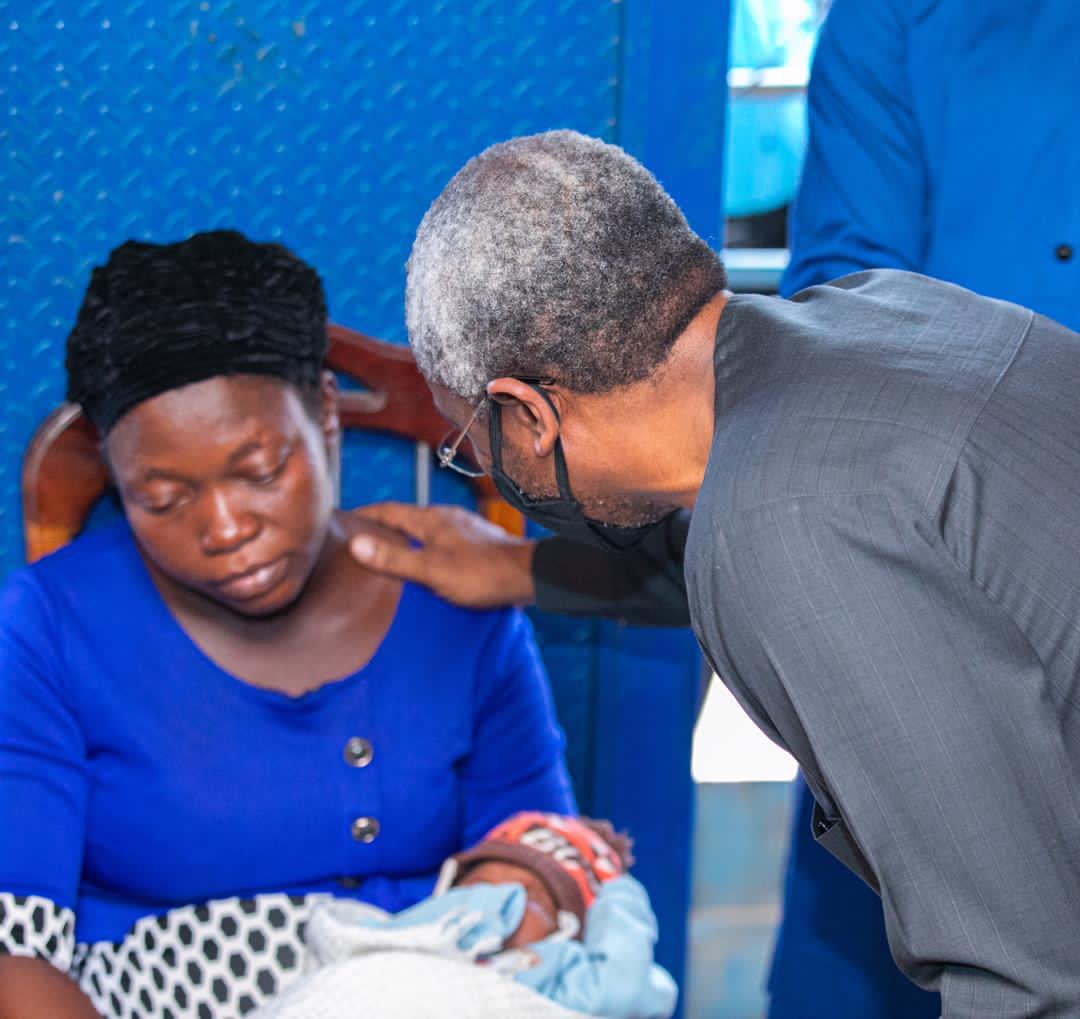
{"x": 697, "y": 382}
{"x": 669, "y": 418}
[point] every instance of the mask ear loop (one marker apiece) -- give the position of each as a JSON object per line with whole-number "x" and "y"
{"x": 562, "y": 475}
{"x": 495, "y": 436}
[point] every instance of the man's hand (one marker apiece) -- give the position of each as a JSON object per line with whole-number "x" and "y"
{"x": 463, "y": 558}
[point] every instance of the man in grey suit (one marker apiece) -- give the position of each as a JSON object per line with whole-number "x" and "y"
{"x": 883, "y": 561}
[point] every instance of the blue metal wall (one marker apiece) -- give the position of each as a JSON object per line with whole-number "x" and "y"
{"x": 331, "y": 126}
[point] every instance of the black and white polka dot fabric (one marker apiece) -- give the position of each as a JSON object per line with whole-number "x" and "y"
{"x": 215, "y": 961}
{"x": 33, "y": 926}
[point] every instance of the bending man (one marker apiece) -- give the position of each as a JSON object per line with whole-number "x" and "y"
{"x": 883, "y": 556}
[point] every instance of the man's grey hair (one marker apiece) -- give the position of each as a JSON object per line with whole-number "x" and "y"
{"x": 553, "y": 255}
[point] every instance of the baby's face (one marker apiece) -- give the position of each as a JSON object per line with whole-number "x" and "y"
{"x": 540, "y": 913}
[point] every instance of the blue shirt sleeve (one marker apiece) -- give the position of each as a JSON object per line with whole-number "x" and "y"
{"x": 517, "y": 760}
{"x": 862, "y": 200}
{"x": 43, "y": 784}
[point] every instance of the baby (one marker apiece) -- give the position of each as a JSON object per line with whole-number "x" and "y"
{"x": 542, "y": 910}
{"x": 561, "y": 862}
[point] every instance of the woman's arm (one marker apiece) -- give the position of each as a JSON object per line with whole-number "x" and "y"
{"x": 43, "y": 791}
{"x": 34, "y": 989}
{"x": 516, "y": 762}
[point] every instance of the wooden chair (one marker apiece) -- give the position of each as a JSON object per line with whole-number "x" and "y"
{"x": 63, "y": 474}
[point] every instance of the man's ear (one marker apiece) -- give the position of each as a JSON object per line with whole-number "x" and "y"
{"x": 524, "y": 408}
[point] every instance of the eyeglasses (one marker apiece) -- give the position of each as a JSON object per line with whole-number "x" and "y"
{"x": 447, "y": 451}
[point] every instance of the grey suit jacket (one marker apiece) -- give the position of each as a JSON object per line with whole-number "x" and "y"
{"x": 884, "y": 567}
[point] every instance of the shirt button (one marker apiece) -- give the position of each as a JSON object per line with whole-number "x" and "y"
{"x": 1063, "y": 252}
{"x": 358, "y": 752}
{"x": 348, "y": 882}
{"x": 365, "y": 829}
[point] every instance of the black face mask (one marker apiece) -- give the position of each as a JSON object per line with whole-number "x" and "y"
{"x": 564, "y": 514}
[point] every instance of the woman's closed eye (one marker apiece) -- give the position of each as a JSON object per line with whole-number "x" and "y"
{"x": 263, "y": 474}
{"x": 162, "y": 499}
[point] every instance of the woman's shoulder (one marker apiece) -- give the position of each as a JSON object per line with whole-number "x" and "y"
{"x": 95, "y": 566}
{"x": 421, "y": 608}
{"x": 478, "y": 649}
{"x": 68, "y": 600}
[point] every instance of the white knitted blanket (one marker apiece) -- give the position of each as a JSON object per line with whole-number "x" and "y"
{"x": 401, "y": 984}
{"x": 412, "y": 972}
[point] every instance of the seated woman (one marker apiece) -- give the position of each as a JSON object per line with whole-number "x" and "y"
{"x": 210, "y": 717}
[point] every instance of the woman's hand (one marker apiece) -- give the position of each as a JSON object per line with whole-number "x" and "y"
{"x": 463, "y": 558}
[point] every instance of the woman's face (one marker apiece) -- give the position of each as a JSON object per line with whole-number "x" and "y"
{"x": 227, "y": 486}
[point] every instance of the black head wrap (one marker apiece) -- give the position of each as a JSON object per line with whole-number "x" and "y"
{"x": 160, "y": 316}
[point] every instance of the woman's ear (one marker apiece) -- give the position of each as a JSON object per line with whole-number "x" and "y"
{"x": 103, "y": 453}
{"x": 331, "y": 429}
{"x": 328, "y": 407}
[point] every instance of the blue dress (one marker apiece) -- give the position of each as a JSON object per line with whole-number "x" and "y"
{"x": 142, "y": 786}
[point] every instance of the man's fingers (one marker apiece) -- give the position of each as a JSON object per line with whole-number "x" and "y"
{"x": 390, "y": 559}
{"x": 414, "y": 521}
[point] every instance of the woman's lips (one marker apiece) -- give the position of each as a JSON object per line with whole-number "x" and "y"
{"x": 255, "y": 582}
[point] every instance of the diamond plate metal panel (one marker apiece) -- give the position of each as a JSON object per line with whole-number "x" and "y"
{"x": 327, "y": 125}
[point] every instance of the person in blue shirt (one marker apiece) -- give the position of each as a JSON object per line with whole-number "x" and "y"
{"x": 211, "y": 718}
{"x": 941, "y": 141}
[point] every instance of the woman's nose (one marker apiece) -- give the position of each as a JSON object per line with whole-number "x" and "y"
{"x": 228, "y": 524}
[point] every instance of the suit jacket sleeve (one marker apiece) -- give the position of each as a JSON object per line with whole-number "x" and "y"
{"x": 643, "y": 586}
{"x": 926, "y": 721}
